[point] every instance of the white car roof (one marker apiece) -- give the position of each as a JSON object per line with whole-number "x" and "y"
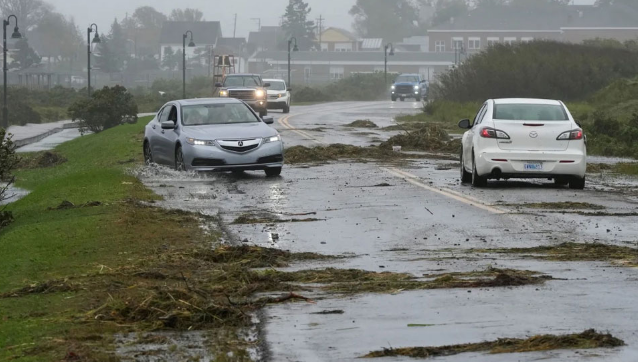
{"x": 526, "y": 101}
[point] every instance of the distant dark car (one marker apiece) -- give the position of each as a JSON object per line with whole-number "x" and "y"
{"x": 247, "y": 87}
{"x": 409, "y": 86}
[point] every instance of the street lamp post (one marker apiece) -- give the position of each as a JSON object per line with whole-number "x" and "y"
{"x": 96, "y": 40}
{"x": 190, "y": 45}
{"x": 16, "y": 35}
{"x": 385, "y": 68}
{"x": 292, "y": 41}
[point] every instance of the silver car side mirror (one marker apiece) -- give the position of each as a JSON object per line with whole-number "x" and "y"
{"x": 168, "y": 125}
{"x": 268, "y": 120}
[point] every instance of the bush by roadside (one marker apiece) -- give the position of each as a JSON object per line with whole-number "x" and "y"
{"x": 107, "y": 108}
{"x": 358, "y": 87}
{"x": 8, "y": 161}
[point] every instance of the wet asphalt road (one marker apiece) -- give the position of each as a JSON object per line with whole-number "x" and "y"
{"x": 400, "y": 227}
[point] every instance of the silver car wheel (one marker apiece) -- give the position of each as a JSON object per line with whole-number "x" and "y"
{"x": 179, "y": 160}
{"x": 148, "y": 155}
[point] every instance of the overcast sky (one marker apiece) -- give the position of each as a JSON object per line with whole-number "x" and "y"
{"x": 103, "y": 12}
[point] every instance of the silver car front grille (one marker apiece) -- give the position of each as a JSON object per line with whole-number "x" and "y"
{"x": 239, "y": 146}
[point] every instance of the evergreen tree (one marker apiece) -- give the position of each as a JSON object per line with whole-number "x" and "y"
{"x": 169, "y": 61}
{"x": 296, "y": 24}
{"x": 24, "y": 57}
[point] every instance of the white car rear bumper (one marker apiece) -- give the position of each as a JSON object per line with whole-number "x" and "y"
{"x": 505, "y": 164}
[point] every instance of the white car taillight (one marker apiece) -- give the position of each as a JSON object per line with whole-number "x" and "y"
{"x": 576, "y": 134}
{"x": 494, "y": 133}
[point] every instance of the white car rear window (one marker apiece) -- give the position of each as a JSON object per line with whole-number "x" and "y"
{"x": 530, "y": 112}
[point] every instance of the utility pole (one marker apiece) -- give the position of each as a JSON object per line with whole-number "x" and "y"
{"x": 235, "y": 29}
{"x": 320, "y": 21}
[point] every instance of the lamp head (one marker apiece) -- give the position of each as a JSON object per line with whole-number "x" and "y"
{"x": 96, "y": 39}
{"x": 16, "y": 33}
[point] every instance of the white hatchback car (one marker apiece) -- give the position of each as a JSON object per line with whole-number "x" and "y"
{"x": 524, "y": 138}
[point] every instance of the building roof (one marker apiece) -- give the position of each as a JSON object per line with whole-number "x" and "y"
{"x": 204, "y": 32}
{"x": 231, "y": 42}
{"x": 541, "y": 18}
{"x": 267, "y": 38}
{"x": 372, "y": 43}
{"x": 276, "y": 57}
{"x": 342, "y": 32}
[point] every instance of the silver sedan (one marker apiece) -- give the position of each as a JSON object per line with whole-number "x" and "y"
{"x": 213, "y": 134}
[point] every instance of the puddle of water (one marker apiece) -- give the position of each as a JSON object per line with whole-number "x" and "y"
{"x": 609, "y": 160}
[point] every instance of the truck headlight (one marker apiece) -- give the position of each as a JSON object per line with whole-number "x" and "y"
{"x": 259, "y": 93}
{"x": 393, "y": 87}
{"x": 223, "y": 93}
{"x": 276, "y": 138}
{"x": 416, "y": 87}
{"x": 196, "y": 142}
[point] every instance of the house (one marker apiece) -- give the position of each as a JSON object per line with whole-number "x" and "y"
{"x": 485, "y": 26}
{"x": 266, "y": 39}
{"x": 323, "y": 67}
{"x": 205, "y": 37}
{"x": 337, "y": 40}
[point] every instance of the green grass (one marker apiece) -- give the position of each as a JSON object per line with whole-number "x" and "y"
{"x": 443, "y": 113}
{"x": 44, "y": 244}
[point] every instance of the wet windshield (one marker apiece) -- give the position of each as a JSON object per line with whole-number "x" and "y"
{"x": 530, "y": 112}
{"x": 407, "y": 79}
{"x": 242, "y": 82}
{"x": 277, "y": 86}
{"x": 211, "y": 114}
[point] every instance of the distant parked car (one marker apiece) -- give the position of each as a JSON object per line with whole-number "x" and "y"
{"x": 213, "y": 134}
{"x": 278, "y": 95}
{"x": 409, "y": 86}
{"x": 247, "y": 87}
{"x": 524, "y": 138}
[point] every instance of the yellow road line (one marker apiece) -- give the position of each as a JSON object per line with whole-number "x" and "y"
{"x": 284, "y": 122}
{"x": 442, "y": 191}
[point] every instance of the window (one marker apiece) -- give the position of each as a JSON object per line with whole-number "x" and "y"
{"x": 474, "y": 43}
{"x": 493, "y": 41}
{"x": 276, "y": 85}
{"x": 242, "y": 81}
{"x": 343, "y": 47}
{"x": 457, "y": 43}
{"x": 220, "y": 113}
{"x": 164, "y": 113}
{"x": 439, "y": 46}
{"x": 307, "y": 73}
{"x": 530, "y": 112}
{"x": 526, "y": 40}
{"x": 479, "y": 114}
{"x": 336, "y": 73}
{"x": 324, "y": 47}
{"x": 509, "y": 41}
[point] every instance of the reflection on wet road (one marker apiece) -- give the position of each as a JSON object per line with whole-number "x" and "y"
{"x": 417, "y": 218}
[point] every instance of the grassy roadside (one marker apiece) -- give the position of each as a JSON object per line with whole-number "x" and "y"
{"x": 45, "y": 245}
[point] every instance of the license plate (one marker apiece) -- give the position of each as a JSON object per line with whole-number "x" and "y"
{"x": 534, "y": 166}
{"x": 404, "y": 95}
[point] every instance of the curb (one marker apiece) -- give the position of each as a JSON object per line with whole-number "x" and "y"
{"x": 27, "y": 141}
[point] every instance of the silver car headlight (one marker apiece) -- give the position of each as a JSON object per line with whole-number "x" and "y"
{"x": 276, "y": 138}
{"x": 196, "y": 142}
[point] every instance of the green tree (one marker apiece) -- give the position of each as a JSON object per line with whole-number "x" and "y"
{"x": 629, "y": 3}
{"x": 187, "y": 14}
{"x": 170, "y": 60}
{"x": 390, "y": 20}
{"x": 58, "y": 38}
{"x": 107, "y": 108}
{"x": 8, "y": 161}
{"x": 28, "y": 12}
{"x": 24, "y": 57}
{"x": 448, "y": 9}
{"x": 296, "y": 24}
{"x": 145, "y": 26}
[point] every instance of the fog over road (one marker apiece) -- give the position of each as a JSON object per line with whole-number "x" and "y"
{"x": 420, "y": 221}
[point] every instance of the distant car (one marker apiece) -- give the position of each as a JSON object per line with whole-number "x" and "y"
{"x": 213, "y": 134}
{"x": 409, "y": 86}
{"x": 249, "y": 88}
{"x": 278, "y": 95}
{"x": 524, "y": 138}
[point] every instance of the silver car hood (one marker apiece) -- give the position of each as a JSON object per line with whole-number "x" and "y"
{"x": 230, "y": 131}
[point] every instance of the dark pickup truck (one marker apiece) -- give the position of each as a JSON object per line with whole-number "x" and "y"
{"x": 409, "y": 86}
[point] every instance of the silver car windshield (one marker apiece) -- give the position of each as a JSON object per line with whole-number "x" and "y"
{"x": 211, "y": 114}
{"x": 530, "y": 112}
{"x": 277, "y": 86}
{"x": 242, "y": 82}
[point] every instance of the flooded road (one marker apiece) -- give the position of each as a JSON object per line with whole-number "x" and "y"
{"x": 416, "y": 217}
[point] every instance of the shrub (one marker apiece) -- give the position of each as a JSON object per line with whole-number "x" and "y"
{"x": 8, "y": 161}
{"x": 357, "y": 87}
{"x": 106, "y": 108}
{"x": 540, "y": 69}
